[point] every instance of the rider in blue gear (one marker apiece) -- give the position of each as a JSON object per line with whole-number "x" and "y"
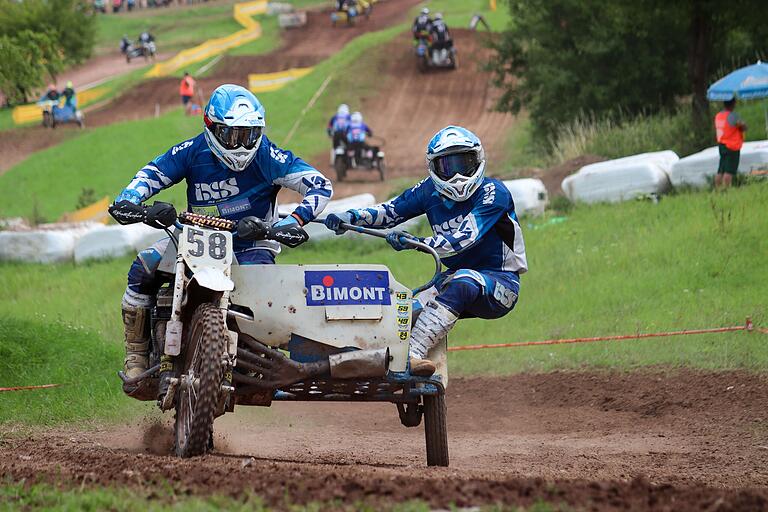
{"x": 338, "y": 124}
{"x": 422, "y": 25}
{"x": 357, "y": 133}
{"x": 475, "y": 232}
{"x": 232, "y": 170}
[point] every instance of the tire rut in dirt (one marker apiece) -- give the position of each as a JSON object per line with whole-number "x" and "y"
{"x": 208, "y": 333}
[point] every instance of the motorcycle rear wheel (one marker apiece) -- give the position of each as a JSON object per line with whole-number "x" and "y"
{"x": 436, "y": 430}
{"x": 201, "y": 377}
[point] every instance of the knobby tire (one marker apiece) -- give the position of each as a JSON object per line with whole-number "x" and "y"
{"x": 436, "y": 430}
{"x": 205, "y": 344}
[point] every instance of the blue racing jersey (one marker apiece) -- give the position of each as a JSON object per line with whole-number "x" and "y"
{"x": 214, "y": 189}
{"x": 338, "y": 123}
{"x": 481, "y": 233}
{"x": 357, "y": 132}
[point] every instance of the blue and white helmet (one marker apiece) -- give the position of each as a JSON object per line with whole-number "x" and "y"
{"x": 456, "y": 162}
{"x": 234, "y": 122}
{"x": 343, "y": 110}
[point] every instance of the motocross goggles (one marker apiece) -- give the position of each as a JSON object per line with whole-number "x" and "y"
{"x": 448, "y": 166}
{"x": 233, "y": 137}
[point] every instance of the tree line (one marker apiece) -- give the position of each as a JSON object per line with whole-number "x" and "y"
{"x": 38, "y": 39}
{"x": 565, "y": 59}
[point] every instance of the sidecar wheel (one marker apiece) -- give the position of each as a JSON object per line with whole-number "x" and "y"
{"x": 202, "y": 371}
{"x": 436, "y": 430}
{"x": 340, "y": 166}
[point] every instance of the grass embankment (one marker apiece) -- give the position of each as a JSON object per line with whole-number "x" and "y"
{"x": 174, "y": 28}
{"x": 691, "y": 261}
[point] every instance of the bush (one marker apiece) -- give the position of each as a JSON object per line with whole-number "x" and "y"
{"x": 627, "y": 136}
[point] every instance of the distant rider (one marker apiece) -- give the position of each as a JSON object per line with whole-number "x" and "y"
{"x": 147, "y": 40}
{"x": 338, "y": 124}
{"x": 52, "y": 93}
{"x": 70, "y": 97}
{"x": 357, "y": 133}
{"x": 146, "y": 37}
{"x": 439, "y": 34}
{"x": 232, "y": 170}
{"x": 124, "y": 44}
{"x": 475, "y": 232}
{"x": 422, "y": 26}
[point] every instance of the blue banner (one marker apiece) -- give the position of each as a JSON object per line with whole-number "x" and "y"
{"x": 347, "y": 287}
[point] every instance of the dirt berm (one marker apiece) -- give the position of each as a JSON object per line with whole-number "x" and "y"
{"x": 651, "y": 440}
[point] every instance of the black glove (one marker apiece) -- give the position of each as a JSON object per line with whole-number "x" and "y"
{"x": 252, "y": 228}
{"x": 161, "y": 215}
{"x": 126, "y": 212}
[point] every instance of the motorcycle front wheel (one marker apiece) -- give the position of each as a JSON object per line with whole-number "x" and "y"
{"x": 200, "y": 381}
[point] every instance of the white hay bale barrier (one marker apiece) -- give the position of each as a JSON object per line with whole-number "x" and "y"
{"x": 625, "y": 180}
{"x": 696, "y": 169}
{"x": 37, "y": 246}
{"x": 114, "y": 241}
{"x": 754, "y": 156}
{"x": 664, "y": 159}
{"x": 278, "y": 8}
{"x": 529, "y": 194}
{"x": 292, "y": 20}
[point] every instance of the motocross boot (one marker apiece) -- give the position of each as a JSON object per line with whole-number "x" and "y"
{"x": 136, "y": 323}
{"x": 430, "y": 327}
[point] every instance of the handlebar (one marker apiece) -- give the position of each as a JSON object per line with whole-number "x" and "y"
{"x": 419, "y": 246}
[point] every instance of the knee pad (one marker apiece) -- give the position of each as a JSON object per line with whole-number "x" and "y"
{"x": 459, "y": 292}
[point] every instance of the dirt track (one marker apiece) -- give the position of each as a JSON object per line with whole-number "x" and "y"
{"x": 415, "y": 105}
{"x": 598, "y": 441}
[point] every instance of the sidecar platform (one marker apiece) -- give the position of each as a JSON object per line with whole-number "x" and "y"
{"x": 396, "y": 387}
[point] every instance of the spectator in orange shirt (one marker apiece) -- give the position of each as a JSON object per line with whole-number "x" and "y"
{"x": 187, "y": 90}
{"x": 730, "y": 130}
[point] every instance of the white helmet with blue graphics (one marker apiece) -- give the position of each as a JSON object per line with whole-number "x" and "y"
{"x": 456, "y": 162}
{"x": 343, "y": 110}
{"x": 234, "y": 122}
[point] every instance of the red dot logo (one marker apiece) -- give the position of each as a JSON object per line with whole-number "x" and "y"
{"x": 328, "y": 281}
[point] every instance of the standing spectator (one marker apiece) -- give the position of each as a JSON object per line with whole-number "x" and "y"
{"x": 730, "y": 137}
{"x": 187, "y": 90}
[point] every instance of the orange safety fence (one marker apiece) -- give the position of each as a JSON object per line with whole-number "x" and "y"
{"x": 748, "y": 326}
{"x": 24, "y": 388}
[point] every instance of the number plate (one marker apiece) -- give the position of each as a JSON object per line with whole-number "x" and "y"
{"x": 202, "y": 247}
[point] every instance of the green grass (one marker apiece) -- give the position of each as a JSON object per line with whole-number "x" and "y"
{"x": 175, "y": 29}
{"x": 691, "y": 261}
{"x": 43, "y": 352}
{"x": 15, "y": 496}
{"x": 458, "y": 13}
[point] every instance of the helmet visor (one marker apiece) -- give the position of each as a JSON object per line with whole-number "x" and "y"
{"x": 448, "y": 166}
{"x": 233, "y": 137}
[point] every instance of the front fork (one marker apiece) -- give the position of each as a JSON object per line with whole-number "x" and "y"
{"x": 172, "y": 343}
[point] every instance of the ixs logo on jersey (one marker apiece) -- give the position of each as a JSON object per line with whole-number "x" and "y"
{"x": 216, "y": 190}
{"x": 346, "y": 287}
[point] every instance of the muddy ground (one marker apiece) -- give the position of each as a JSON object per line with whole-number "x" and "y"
{"x": 651, "y": 440}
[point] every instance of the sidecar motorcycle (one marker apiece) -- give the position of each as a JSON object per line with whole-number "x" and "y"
{"x": 225, "y": 335}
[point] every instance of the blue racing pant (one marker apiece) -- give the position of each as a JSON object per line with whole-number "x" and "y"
{"x": 485, "y": 294}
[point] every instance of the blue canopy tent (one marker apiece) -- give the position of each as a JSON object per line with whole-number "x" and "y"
{"x": 746, "y": 83}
